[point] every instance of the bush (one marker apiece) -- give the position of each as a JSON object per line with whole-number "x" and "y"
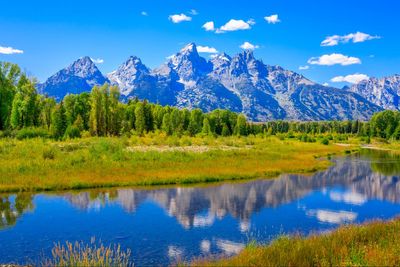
{"x": 325, "y": 141}
{"x": 27, "y": 133}
{"x": 72, "y": 132}
{"x": 6, "y": 133}
{"x": 49, "y": 153}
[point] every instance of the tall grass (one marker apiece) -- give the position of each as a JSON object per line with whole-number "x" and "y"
{"x": 94, "y": 254}
{"x": 374, "y": 244}
{"x": 41, "y": 164}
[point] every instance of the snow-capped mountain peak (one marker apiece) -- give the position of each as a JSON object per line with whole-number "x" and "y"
{"x": 241, "y": 83}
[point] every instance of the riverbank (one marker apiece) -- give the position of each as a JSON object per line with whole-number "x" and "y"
{"x": 45, "y": 165}
{"x": 373, "y": 244}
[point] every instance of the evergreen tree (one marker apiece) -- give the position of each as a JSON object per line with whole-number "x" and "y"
{"x": 59, "y": 121}
{"x": 140, "y": 122}
{"x": 166, "y": 124}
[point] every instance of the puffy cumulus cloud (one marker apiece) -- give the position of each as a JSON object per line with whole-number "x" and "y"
{"x": 178, "y": 18}
{"x": 353, "y": 78}
{"x": 249, "y": 46}
{"x": 306, "y": 67}
{"x": 209, "y": 26}
{"x": 10, "y": 50}
{"x": 236, "y": 25}
{"x": 357, "y": 37}
{"x": 97, "y": 60}
{"x": 325, "y": 84}
{"x": 334, "y": 59}
{"x": 206, "y": 49}
{"x": 273, "y": 19}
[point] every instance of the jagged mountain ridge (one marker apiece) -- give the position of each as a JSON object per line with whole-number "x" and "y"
{"x": 384, "y": 92}
{"x": 78, "y": 77}
{"x": 241, "y": 83}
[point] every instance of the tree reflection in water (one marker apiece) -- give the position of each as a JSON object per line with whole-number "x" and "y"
{"x": 12, "y": 207}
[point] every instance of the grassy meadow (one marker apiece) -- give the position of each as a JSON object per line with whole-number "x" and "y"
{"x": 155, "y": 159}
{"x": 373, "y": 244}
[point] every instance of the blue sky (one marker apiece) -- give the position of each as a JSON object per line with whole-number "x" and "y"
{"x": 365, "y": 38}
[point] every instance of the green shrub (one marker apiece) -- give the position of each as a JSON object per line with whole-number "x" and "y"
{"x": 325, "y": 141}
{"x": 72, "y": 132}
{"x": 49, "y": 153}
{"x": 27, "y": 133}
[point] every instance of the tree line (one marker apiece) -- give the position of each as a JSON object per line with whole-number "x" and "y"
{"x": 101, "y": 113}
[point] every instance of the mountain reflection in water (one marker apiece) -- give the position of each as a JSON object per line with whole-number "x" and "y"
{"x": 363, "y": 179}
{"x": 169, "y": 224}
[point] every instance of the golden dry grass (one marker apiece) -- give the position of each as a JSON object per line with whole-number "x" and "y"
{"x": 40, "y": 164}
{"x": 374, "y": 244}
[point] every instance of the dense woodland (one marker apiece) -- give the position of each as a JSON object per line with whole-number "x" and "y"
{"x": 25, "y": 113}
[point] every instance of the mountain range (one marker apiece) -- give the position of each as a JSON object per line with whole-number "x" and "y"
{"x": 240, "y": 83}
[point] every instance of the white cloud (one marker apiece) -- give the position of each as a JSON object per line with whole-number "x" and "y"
{"x": 325, "y": 84}
{"x": 10, "y": 50}
{"x": 349, "y": 197}
{"x": 333, "y": 217}
{"x": 209, "y": 26}
{"x": 179, "y": 18}
{"x": 251, "y": 22}
{"x": 206, "y": 49}
{"x": 249, "y": 46}
{"x": 193, "y": 12}
{"x": 334, "y": 59}
{"x": 144, "y": 13}
{"x": 353, "y": 78}
{"x": 97, "y": 60}
{"x": 273, "y": 19}
{"x": 357, "y": 37}
{"x": 306, "y": 67}
{"x": 235, "y": 25}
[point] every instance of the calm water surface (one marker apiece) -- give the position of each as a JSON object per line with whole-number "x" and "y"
{"x": 164, "y": 225}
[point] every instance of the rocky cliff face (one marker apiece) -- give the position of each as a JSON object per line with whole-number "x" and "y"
{"x": 79, "y": 77}
{"x": 240, "y": 83}
{"x": 384, "y": 92}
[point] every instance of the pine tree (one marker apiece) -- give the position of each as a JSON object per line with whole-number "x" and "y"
{"x": 140, "y": 122}
{"x": 166, "y": 124}
{"x": 59, "y": 121}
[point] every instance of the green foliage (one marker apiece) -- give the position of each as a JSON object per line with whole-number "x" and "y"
{"x": 325, "y": 141}
{"x": 27, "y": 133}
{"x": 59, "y": 121}
{"x": 72, "y": 132}
{"x": 49, "y": 153}
{"x": 102, "y": 114}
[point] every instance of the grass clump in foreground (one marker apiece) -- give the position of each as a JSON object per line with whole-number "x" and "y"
{"x": 374, "y": 244}
{"x": 43, "y": 164}
{"x": 93, "y": 254}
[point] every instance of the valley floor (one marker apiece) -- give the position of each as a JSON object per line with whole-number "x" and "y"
{"x": 43, "y": 164}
